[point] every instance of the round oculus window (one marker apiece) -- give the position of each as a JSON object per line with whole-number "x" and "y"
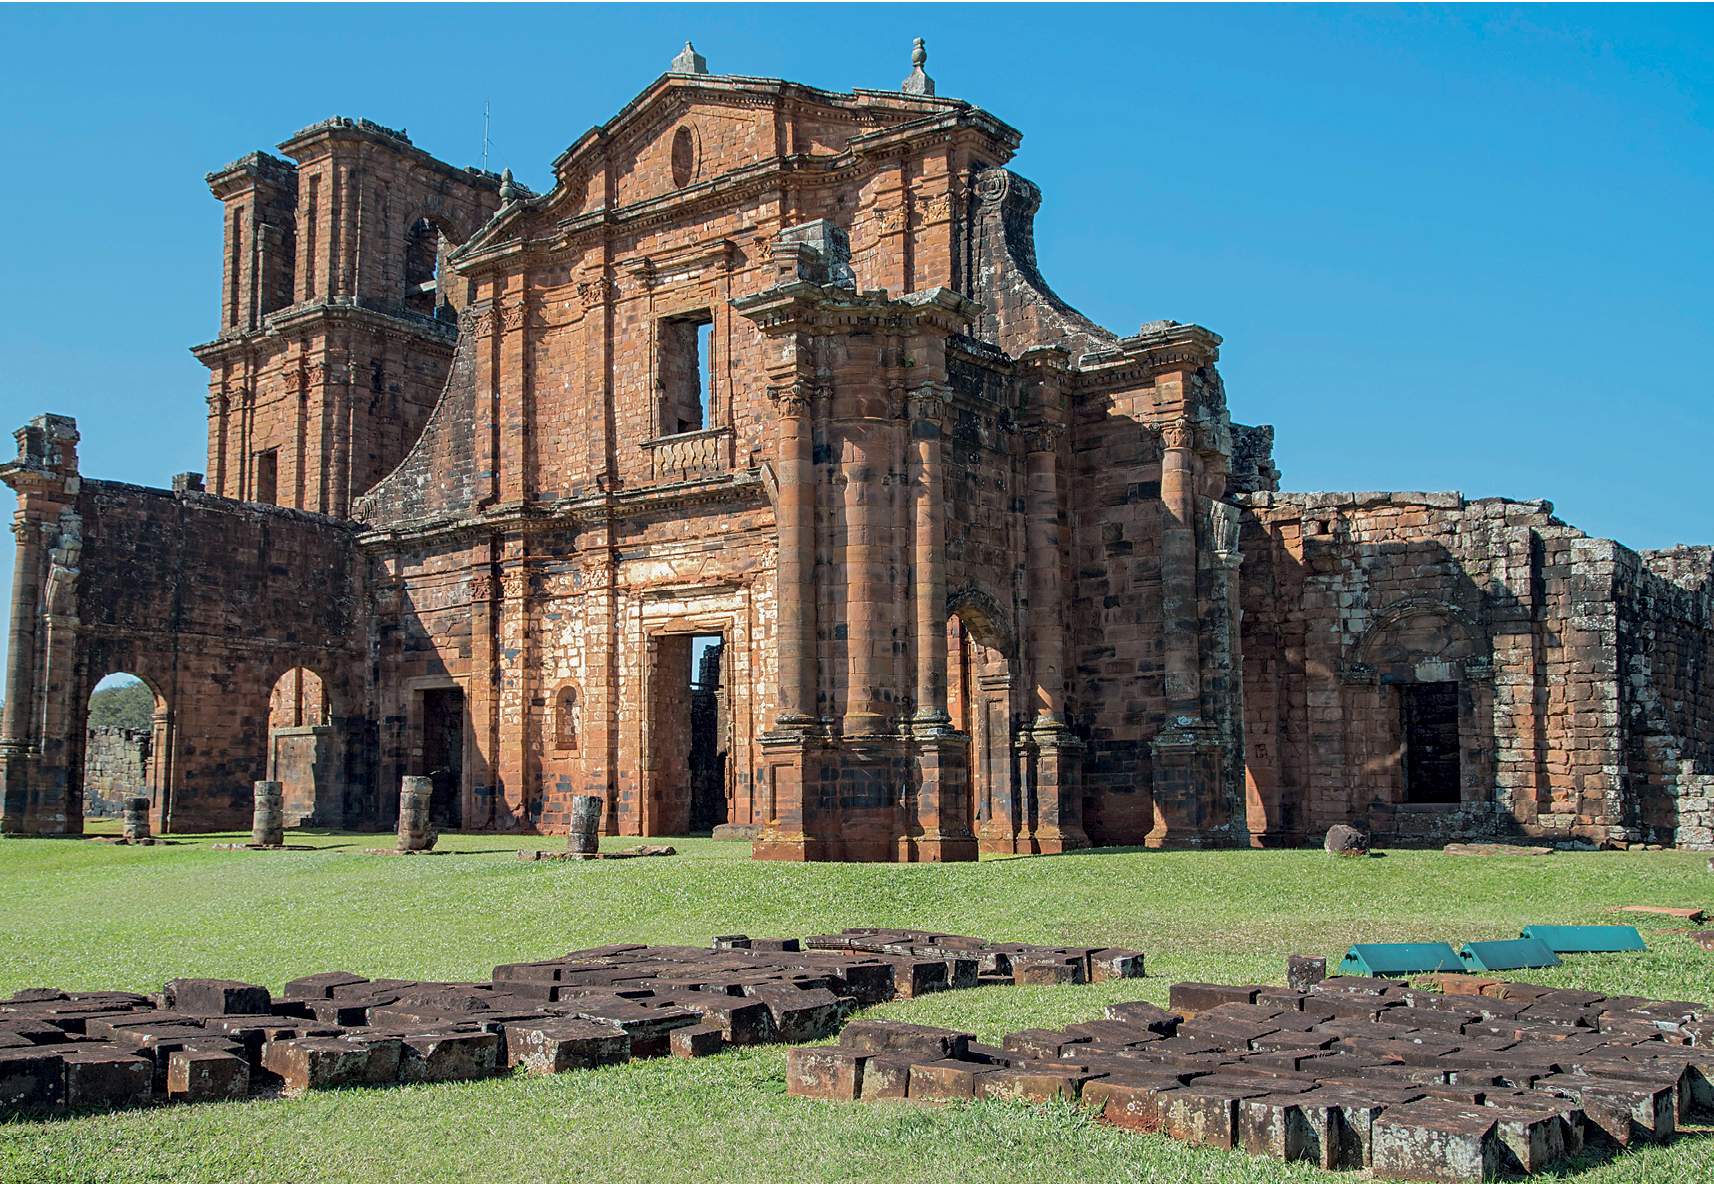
{"x": 684, "y": 157}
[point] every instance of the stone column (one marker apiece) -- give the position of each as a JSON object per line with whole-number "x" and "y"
{"x": 17, "y": 758}
{"x": 1189, "y": 801}
{"x": 1178, "y": 570}
{"x": 868, "y": 594}
{"x": 136, "y": 824}
{"x": 585, "y": 834}
{"x": 943, "y": 754}
{"x": 927, "y": 406}
{"x": 794, "y": 512}
{"x": 268, "y": 823}
{"x": 1059, "y": 800}
{"x": 415, "y": 832}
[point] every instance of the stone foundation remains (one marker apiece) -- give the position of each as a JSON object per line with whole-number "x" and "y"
{"x": 207, "y": 1039}
{"x": 771, "y": 374}
{"x": 1499, "y": 1080}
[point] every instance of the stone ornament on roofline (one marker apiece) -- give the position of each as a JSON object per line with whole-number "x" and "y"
{"x": 918, "y": 83}
{"x": 690, "y": 62}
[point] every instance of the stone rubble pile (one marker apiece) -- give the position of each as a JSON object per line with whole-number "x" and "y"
{"x": 1356, "y": 1073}
{"x": 207, "y": 1039}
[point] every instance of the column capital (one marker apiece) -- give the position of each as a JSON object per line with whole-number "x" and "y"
{"x": 792, "y": 398}
{"x": 929, "y": 400}
{"x": 1043, "y": 437}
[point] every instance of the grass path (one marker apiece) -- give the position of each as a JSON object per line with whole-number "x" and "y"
{"x": 86, "y": 916}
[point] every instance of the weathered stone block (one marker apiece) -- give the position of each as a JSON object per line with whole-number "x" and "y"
{"x": 196, "y": 1075}
{"x": 555, "y": 1046}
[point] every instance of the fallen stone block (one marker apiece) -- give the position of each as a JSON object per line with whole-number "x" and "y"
{"x": 321, "y": 986}
{"x": 199, "y": 1075}
{"x": 453, "y": 1056}
{"x": 698, "y": 1040}
{"x": 1346, "y": 841}
{"x": 557, "y": 1046}
{"x": 1035, "y": 1085}
{"x": 648, "y": 1027}
{"x": 1189, "y": 998}
{"x": 1436, "y": 1142}
{"x": 316, "y": 1063}
{"x": 1206, "y": 1115}
{"x": 1044, "y": 1043}
{"x": 1303, "y": 971}
{"x": 909, "y": 1040}
{"x": 833, "y": 1073}
{"x": 32, "y": 1081}
{"x": 1131, "y": 1101}
{"x": 914, "y": 977}
{"x": 800, "y": 1015}
{"x": 739, "y": 1020}
{"x": 1279, "y": 1125}
{"x": 946, "y": 1080}
{"x": 1106, "y": 965}
{"x": 212, "y": 996}
{"x": 886, "y": 1078}
{"x": 1040, "y": 970}
{"x": 1145, "y": 1015}
{"x": 1622, "y": 1112}
{"x": 107, "y": 1077}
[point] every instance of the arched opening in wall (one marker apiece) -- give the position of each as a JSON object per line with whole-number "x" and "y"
{"x": 690, "y": 725}
{"x": 979, "y": 700}
{"x": 119, "y": 744}
{"x": 300, "y": 749}
{"x": 567, "y": 720}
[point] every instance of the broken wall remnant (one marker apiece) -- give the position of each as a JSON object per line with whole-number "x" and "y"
{"x": 778, "y": 365}
{"x": 115, "y": 767}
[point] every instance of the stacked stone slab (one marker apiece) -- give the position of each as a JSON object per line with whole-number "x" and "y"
{"x": 202, "y": 1039}
{"x": 1356, "y": 1073}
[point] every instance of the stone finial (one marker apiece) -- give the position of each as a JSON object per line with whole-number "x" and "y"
{"x": 510, "y": 190}
{"x": 918, "y": 83}
{"x": 689, "y": 62}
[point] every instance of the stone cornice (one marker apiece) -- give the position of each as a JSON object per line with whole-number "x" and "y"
{"x": 803, "y": 307}
{"x": 310, "y": 143}
{"x": 572, "y": 512}
{"x": 1163, "y": 346}
{"x": 246, "y": 171}
{"x": 300, "y": 319}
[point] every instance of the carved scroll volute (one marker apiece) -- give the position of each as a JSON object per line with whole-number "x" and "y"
{"x": 1177, "y": 433}
{"x": 791, "y": 398}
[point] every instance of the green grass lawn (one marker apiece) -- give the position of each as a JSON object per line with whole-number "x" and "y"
{"x": 87, "y": 916}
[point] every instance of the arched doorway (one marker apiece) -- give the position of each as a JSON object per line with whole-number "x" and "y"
{"x": 300, "y": 749}
{"x": 979, "y": 700}
{"x": 120, "y": 744}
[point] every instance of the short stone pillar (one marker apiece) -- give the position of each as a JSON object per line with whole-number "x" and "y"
{"x": 414, "y": 831}
{"x": 136, "y": 826}
{"x": 585, "y": 836}
{"x": 268, "y": 823}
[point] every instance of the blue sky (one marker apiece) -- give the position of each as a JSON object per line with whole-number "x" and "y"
{"x": 1448, "y": 247}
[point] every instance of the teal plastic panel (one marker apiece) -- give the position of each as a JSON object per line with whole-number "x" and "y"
{"x": 1398, "y": 958}
{"x": 1586, "y": 939}
{"x": 1526, "y": 953}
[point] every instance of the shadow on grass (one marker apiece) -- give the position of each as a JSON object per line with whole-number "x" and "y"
{"x": 1600, "y": 1153}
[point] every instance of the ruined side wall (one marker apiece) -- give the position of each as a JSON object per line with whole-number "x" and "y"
{"x": 210, "y": 602}
{"x": 1579, "y": 671}
{"x": 1666, "y": 678}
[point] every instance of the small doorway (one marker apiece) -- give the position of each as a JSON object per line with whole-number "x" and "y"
{"x": 708, "y": 731}
{"x": 443, "y": 756}
{"x": 1430, "y": 726}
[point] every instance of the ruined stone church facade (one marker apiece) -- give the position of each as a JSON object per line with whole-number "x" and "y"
{"x": 752, "y": 476}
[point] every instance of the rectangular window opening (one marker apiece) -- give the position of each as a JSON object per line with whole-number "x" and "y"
{"x": 1430, "y": 719}
{"x": 268, "y": 476}
{"x": 685, "y": 372}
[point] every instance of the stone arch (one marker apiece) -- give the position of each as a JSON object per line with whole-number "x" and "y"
{"x": 303, "y": 750}
{"x": 1462, "y": 642}
{"x": 567, "y": 717}
{"x": 114, "y": 762}
{"x": 429, "y": 236}
{"x": 984, "y": 617}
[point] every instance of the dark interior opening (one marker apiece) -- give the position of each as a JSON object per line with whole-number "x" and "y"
{"x": 686, "y": 349}
{"x": 708, "y": 731}
{"x": 443, "y": 756}
{"x": 268, "y": 477}
{"x": 1430, "y": 741}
